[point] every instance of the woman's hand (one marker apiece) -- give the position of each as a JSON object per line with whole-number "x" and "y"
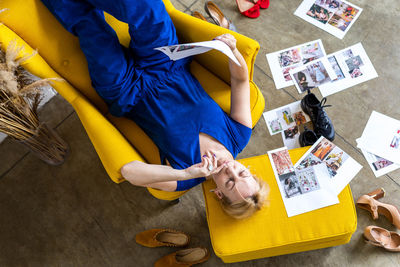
{"x": 207, "y": 167}
{"x": 228, "y": 39}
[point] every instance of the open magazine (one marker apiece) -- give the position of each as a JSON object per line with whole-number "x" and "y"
{"x": 179, "y": 51}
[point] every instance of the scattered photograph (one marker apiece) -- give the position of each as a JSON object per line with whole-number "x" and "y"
{"x": 351, "y": 66}
{"x": 286, "y": 74}
{"x": 319, "y": 13}
{"x": 282, "y": 162}
{"x": 275, "y": 126}
{"x": 331, "y": 5}
{"x": 314, "y": 75}
{"x": 355, "y": 73}
{"x": 396, "y": 141}
{"x": 381, "y": 163}
{"x": 289, "y": 57}
{"x": 335, "y": 160}
{"x": 322, "y": 149}
{"x": 290, "y": 133}
{"x": 286, "y": 115}
{"x": 304, "y": 189}
{"x": 311, "y": 52}
{"x": 281, "y": 62}
{"x": 290, "y": 184}
{"x": 307, "y": 180}
{"x": 282, "y": 118}
{"x": 299, "y": 118}
{"x": 347, "y": 54}
{"x": 354, "y": 62}
{"x": 308, "y": 161}
{"x": 333, "y": 16}
{"x": 336, "y": 68}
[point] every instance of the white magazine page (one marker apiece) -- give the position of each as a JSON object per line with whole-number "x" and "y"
{"x": 341, "y": 168}
{"x": 378, "y": 165}
{"x": 312, "y": 75}
{"x": 352, "y": 66}
{"x": 290, "y": 136}
{"x": 302, "y": 191}
{"x": 179, "y": 51}
{"x": 282, "y": 61}
{"x": 285, "y": 117}
{"x": 333, "y": 16}
{"x": 381, "y": 137}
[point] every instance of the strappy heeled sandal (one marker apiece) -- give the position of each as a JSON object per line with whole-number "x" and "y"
{"x": 381, "y": 237}
{"x": 369, "y": 202}
{"x": 262, "y": 3}
{"x": 248, "y": 9}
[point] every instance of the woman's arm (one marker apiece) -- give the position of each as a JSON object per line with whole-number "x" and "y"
{"x": 240, "y": 87}
{"x": 164, "y": 177}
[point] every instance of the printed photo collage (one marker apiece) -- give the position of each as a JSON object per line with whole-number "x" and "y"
{"x": 316, "y": 179}
{"x": 330, "y": 73}
{"x": 333, "y": 16}
{"x": 290, "y": 121}
{"x": 380, "y": 143}
{"x": 302, "y": 190}
{"x": 325, "y": 152}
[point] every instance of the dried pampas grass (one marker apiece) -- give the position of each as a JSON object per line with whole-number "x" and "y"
{"x": 20, "y": 95}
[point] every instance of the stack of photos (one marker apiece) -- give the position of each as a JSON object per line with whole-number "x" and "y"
{"x": 281, "y": 62}
{"x": 313, "y": 74}
{"x": 351, "y": 66}
{"x": 340, "y": 168}
{"x": 333, "y": 16}
{"x": 381, "y": 138}
{"x": 379, "y": 165}
{"x": 302, "y": 190}
{"x": 290, "y": 121}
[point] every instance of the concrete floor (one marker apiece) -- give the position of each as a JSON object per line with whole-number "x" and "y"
{"x": 74, "y": 215}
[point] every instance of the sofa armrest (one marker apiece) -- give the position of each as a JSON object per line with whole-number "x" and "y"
{"x": 113, "y": 149}
{"x": 190, "y": 29}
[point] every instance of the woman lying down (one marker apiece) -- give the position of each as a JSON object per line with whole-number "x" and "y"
{"x": 197, "y": 140}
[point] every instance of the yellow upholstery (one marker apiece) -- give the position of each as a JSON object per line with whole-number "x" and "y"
{"x": 270, "y": 232}
{"x": 117, "y": 140}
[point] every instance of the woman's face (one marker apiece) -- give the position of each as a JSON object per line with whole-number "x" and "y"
{"x": 235, "y": 182}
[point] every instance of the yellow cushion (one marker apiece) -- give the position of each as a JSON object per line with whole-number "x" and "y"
{"x": 270, "y": 232}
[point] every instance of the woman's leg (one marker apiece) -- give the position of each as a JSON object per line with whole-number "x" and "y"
{"x": 150, "y": 26}
{"x": 110, "y": 68}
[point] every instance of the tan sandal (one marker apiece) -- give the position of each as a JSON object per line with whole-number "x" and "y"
{"x": 198, "y": 15}
{"x": 369, "y": 202}
{"x": 218, "y": 17}
{"x": 184, "y": 258}
{"x": 381, "y": 237}
{"x": 162, "y": 237}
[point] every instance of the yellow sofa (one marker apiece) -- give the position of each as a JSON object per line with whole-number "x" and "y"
{"x": 117, "y": 140}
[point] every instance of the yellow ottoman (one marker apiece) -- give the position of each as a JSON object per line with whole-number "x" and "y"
{"x": 270, "y": 232}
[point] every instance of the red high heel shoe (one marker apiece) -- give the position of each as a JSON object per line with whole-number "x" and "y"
{"x": 262, "y": 3}
{"x": 248, "y": 9}
{"x": 369, "y": 202}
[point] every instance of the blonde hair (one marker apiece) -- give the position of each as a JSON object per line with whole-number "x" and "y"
{"x": 249, "y": 205}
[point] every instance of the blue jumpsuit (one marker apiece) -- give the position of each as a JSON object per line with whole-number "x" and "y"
{"x": 141, "y": 83}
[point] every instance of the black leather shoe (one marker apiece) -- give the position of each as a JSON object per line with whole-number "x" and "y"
{"x": 315, "y": 109}
{"x": 307, "y": 138}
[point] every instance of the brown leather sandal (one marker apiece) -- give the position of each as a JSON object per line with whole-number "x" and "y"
{"x": 198, "y": 15}
{"x": 369, "y": 202}
{"x": 162, "y": 237}
{"x": 218, "y": 17}
{"x": 381, "y": 237}
{"x": 184, "y": 258}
